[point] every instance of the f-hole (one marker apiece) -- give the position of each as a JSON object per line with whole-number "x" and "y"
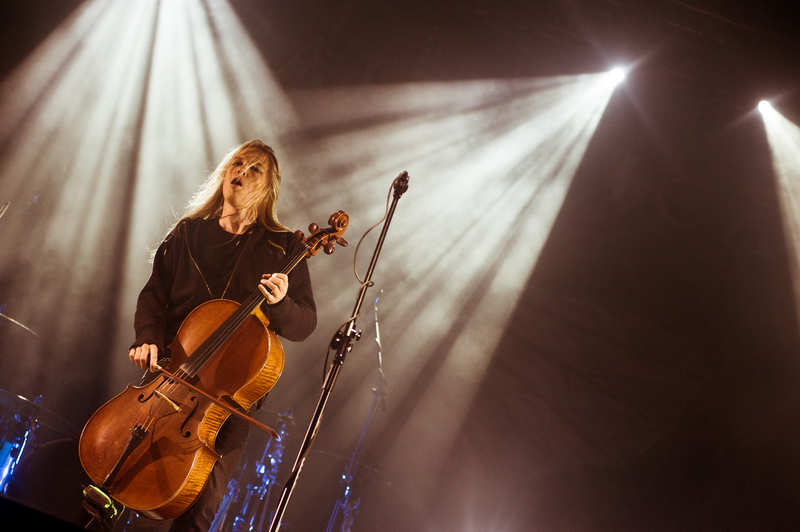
{"x": 187, "y": 433}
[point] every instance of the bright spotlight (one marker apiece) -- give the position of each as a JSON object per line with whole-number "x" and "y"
{"x": 764, "y": 106}
{"x": 618, "y": 74}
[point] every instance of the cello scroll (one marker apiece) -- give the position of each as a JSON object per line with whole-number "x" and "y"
{"x": 325, "y": 239}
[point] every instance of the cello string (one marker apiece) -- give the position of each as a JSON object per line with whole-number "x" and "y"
{"x": 210, "y": 346}
{"x": 221, "y": 335}
{"x": 150, "y": 411}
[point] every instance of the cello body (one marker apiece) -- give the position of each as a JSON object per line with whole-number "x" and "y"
{"x": 165, "y": 473}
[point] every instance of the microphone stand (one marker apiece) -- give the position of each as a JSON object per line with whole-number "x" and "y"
{"x": 343, "y": 343}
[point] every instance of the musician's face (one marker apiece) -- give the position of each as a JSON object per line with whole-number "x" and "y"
{"x": 245, "y": 178}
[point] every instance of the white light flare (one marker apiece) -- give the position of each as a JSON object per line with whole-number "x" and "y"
{"x": 784, "y": 143}
{"x": 490, "y": 165}
{"x": 618, "y": 74}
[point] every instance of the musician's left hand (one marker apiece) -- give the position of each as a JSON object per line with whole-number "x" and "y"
{"x": 274, "y": 286}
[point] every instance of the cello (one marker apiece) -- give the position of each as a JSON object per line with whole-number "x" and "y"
{"x": 151, "y": 448}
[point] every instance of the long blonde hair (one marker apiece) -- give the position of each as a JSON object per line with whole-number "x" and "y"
{"x": 208, "y": 201}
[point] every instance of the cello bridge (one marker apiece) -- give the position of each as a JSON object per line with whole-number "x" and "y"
{"x": 170, "y": 401}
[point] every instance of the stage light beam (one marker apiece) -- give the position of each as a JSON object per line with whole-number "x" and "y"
{"x": 490, "y": 165}
{"x": 113, "y": 121}
{"x": 784, "y": 142}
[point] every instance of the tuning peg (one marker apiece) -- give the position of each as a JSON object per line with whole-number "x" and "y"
{"x": 299, "y": 235}
{"x": 341, "y": 241}
{"x": 313, "y": 228}
{"x": 329, "y": 248}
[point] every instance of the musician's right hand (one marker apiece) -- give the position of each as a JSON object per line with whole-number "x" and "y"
{"x": 145, "y": 356}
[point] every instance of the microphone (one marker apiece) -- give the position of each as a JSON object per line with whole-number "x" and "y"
{"x": 401, "y": 184}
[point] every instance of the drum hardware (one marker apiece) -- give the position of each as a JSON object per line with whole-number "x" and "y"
{"x": 349, "y": 500}
{"x": 16, "y": 433}
{"x": 18, "y": 429}
{"x": 253, "y": 505}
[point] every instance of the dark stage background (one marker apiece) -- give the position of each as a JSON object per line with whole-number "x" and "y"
{"x": 641, "y": 374}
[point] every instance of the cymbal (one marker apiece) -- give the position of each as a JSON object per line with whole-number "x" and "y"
{"x": 44, "y": 417}
{"x": 15, "y": 322}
